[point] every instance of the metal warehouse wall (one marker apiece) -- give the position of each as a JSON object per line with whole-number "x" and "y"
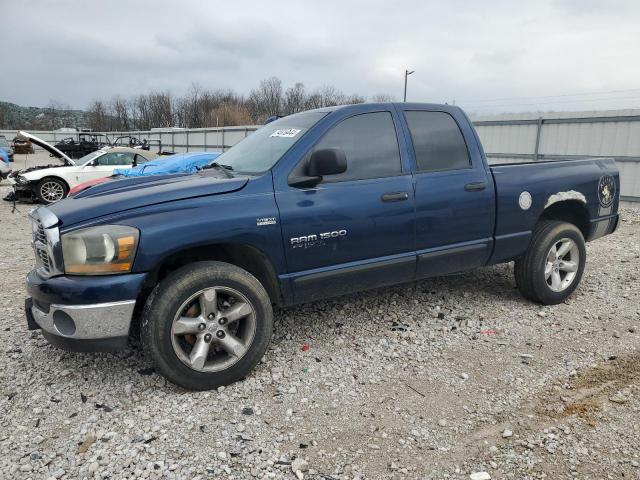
{"x": 506, "y": 138}
{"x": 551, "y": 136}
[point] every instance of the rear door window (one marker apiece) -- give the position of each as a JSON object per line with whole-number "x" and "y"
{"x": 437, "y": 141}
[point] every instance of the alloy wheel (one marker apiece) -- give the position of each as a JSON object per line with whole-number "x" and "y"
{"x": 213, "y": 329}
{"x": 51, "y": 191}
{"x": 563, "y": 261}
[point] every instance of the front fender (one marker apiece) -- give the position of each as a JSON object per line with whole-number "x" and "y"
{"x": 231, "y": 218}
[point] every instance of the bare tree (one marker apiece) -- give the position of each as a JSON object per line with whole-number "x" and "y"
{"x": 143, "y": 116}
{"x": 354, "y": 98}
{"x": 266, "y": 100}
{"x": 312, "y": 101}
{"x": 331, "y": 96}
{"x": 160, "y": 109}
{"x": 98, "y": 120}
{"x": 383, "y": 98}
{"x": 228, "y": 114}
{"x": 294, "y": 99}
{"x": 119, "y": 110}
{"x": 198, "y": 107}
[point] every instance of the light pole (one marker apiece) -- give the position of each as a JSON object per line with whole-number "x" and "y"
{"x": 406, "y": 74}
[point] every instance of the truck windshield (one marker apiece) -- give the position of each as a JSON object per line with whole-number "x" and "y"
{"x": 262, "y": 149}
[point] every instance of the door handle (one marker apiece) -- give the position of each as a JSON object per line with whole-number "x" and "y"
{"x": 475, "y": 186}
{"x": 395, "y": 196}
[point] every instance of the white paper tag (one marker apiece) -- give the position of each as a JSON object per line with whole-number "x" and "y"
{"x": 286, "y": 133}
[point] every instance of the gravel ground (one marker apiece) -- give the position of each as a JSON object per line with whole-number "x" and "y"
{"x": 445, "y": 378}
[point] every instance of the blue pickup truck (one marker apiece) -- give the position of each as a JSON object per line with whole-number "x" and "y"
{"x": 310, "y": 206}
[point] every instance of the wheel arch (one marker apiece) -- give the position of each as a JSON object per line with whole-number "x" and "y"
{"x": 53, "y": 177}
{"x": 571, "y": 211}
{"x": 35, "y": 189}
{"x": 245, "y": 256}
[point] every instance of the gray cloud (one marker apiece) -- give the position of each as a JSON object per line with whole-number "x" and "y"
{"x": 477, "y": 53}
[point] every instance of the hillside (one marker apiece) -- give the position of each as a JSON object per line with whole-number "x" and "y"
{"x": 14, "y": 116}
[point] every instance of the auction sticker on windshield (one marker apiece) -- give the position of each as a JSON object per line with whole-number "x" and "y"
{"x": 286, "y": 133}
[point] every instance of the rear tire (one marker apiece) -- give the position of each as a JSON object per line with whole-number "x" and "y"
{"x": 552, "y": 267}
{"x": 206, "y": 325}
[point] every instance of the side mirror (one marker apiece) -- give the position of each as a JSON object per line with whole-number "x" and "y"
{"x": 326, "y": 161}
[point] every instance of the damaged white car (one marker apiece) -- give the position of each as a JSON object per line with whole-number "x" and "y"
{"x": 51, "y": 183}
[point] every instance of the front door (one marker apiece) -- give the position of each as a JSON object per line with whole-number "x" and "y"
{"x": 104, "y": 166}
{"x": 355, "y": 230}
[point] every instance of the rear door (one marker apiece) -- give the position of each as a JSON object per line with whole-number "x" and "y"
{"x": 454, "y": 192}
{"x": 354, "y": 230}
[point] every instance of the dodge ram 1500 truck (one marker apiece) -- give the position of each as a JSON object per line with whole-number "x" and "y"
{"x": 313, "y": 205}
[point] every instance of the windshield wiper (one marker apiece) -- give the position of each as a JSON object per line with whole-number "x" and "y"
{"x": 224, "y": 168}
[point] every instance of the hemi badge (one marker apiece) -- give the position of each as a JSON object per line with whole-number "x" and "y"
{"x": 265, "y": 221}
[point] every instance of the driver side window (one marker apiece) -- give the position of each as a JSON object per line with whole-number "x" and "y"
{"x": 370, "y": 145}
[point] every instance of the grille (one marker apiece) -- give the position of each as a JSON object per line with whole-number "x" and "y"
{"x": 40, "y": 235}
{"x": 43, "y": 260}
{"x": 43, "y": 257}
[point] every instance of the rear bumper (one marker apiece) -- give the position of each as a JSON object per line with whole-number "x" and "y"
{"x": 603, "y": 226}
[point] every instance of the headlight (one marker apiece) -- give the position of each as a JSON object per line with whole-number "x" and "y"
{"x": 103, "y": 250}
{"x": 21, "y": 180}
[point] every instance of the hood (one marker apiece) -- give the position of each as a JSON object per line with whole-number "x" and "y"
{"x": 122, "y": 195}
{"x": 47, "y": 146}
{"x": 26, "y": 173}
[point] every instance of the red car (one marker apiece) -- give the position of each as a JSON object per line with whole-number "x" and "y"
{"x": 83, "y": 186}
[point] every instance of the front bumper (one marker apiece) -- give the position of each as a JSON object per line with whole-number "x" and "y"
{"x": 83, "y": 313}
{"x": 97, "y": 327}
{"x": 24, "y": 192}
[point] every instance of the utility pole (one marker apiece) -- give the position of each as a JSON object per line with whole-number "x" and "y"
{"x": 406, "y": 74}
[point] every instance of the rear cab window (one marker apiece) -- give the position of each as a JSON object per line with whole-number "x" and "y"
{"x": 438, "y": 143}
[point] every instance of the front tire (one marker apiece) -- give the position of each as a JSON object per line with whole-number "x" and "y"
{"x": 206, "y": 325}
{"x": 553, "y": 265}
{"x": 51, "y": 189}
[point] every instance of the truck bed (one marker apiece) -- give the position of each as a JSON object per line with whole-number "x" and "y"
{"x": 548, "y": 182}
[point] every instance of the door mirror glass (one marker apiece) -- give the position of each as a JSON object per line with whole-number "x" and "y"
{"x": 327, "y": 161}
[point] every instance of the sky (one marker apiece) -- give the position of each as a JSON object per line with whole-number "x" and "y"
{"x": 488, "y": 56}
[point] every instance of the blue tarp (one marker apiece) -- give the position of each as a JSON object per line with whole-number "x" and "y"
{"x": 179, "y": 163}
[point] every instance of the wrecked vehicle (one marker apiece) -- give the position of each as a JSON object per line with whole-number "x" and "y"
{"x": 310, "y": 206}
{"x": 22, "y": 146}
{"x": 51, "y": 183}
{"x": 83, "y": 144}
{"x": 179, "y": 163}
